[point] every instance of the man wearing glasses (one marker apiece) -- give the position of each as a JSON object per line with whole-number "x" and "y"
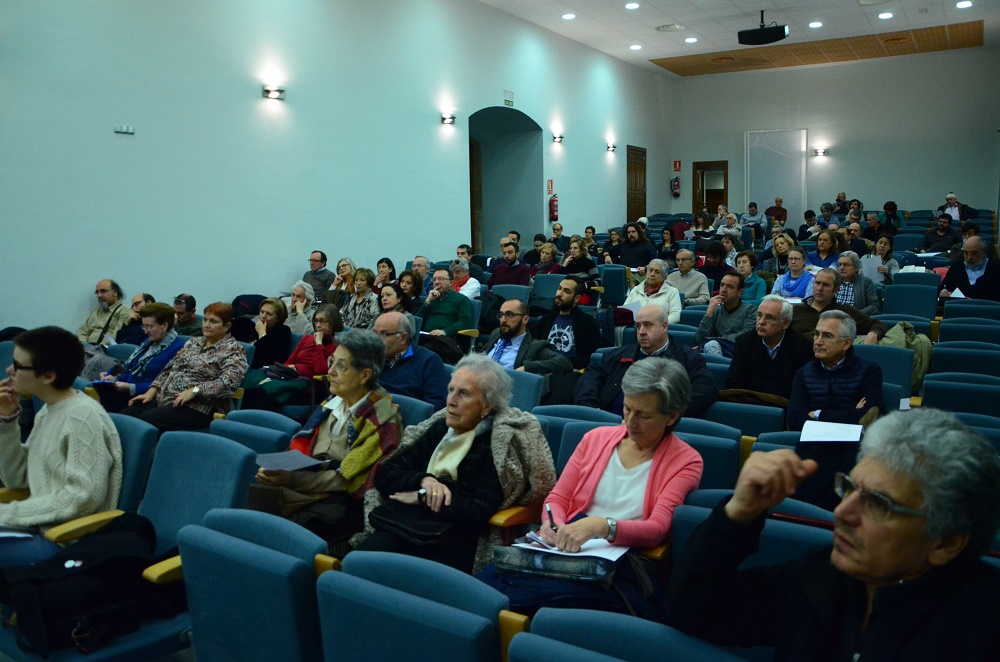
{"x": 72, "y": 461}
{"x": 690, "y": 281}
{"x": 409, "y": 369}
{"x": 903, "y": 579}
{"x": 445, "y": 312}
{"x": 318, "y": 275}
{"x": 976, "y": 276}
{"x": 826, "y": 284}
{"x": 513, "y": 347}
{"x": 107, "y": 317}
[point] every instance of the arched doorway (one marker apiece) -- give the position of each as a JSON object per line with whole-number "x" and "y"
{"x": 505, "y": 177}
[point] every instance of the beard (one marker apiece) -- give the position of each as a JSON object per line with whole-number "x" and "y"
{"x": 104, "y": 306}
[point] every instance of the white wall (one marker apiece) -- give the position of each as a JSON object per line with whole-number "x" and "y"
{"x": 221, "y": 192}
{"x": 908, "y": 129}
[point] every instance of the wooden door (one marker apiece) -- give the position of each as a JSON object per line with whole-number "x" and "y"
{"x": 710, "y": 185}
{"x": 636, "y": 183}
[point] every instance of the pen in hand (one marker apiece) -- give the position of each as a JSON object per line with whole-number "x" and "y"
{"x": 552, "y": 522}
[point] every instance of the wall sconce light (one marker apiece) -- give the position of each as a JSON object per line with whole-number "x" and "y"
{"x": 447, "y": 118}
{"x": 821, "y": 152}
{"x": 273, "y": 92}
{"x": 556, "y": 138}
{"x": 612, "y": 147}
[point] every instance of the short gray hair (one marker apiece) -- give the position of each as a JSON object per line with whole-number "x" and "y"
{"x": 685, "y": 250}
{"x": 459, "y": 262}
{"x": 957, "y": 468}
{"x": 665, "y": 377}
{"x": 872, "y": 215}
{"x": 662, "y": 264}
{"x": 786, "y": 307}
{"x": 310, "y": 292}
{"x": 853, "y": 257}
{"x": 367, "y": 351}
{"x": 848, "y": 327}
{"x": 496, "y": 385}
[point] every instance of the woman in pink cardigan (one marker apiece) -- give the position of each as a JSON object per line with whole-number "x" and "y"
{"x": 621, "y": 484}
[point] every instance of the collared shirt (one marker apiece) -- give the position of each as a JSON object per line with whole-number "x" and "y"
{"x": 773, "y": 353}
{"x": 509, "y": 352}
{"x": 845, "y": 295}
{"x": 659, "y": 351}
{"x": 974, "y": 274}
{"x": 407, "y": 353}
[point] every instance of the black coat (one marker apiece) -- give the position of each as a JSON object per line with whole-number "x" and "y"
{"x": 587, "y": 337}
{"x": 750, "y": 358}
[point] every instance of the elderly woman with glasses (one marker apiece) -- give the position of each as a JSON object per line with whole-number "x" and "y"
{"x": 455, "y": 470}
{"x": 621, "y": 484}
{"x": 146, "y": 362}
{"x": 903, "y": 578}
{"x": 350, "y": 433}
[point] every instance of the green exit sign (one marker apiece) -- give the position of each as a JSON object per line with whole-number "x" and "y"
{"x": 507, "y": 102}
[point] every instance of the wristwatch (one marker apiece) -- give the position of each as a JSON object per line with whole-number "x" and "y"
{"x": 422, "y": 495}
{"x": 612, "y": 529}
{"x": 196, "y": 390}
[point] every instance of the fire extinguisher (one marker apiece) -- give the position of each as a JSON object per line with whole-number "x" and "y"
{"x": 554, "y": 208}
{"x": 675, "y": 186}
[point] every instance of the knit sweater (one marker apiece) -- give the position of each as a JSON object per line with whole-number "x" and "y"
{"x": 72, "y": 463}
{"x": 675, "y": 471}
{"x": 693, "y": 284}
{"x": 667, "y": 297}
{"x": 727, "y": 323}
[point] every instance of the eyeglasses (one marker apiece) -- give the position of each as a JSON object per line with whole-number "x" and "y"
{"x": 340, "y": 366}
{"x": 389, "y": 334}
{"x": 17, "y": 366}
{"x": 439, "y": 279}
{"x": 149, "y": 327}
{"x": 685, "y": 259}
{"x": 312, "y": 260}
{"x": 508, "y": 315}
{"x": 874, "y": 502}
{"x": 825, "y": 335}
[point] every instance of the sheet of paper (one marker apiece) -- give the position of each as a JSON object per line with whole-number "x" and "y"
{"x": 689, "y": 234}
{"x": 794, "y": 300}
{"x": 930, "y": 254}
{"x": 957, "y": 294}
{"x": 288, "y": 460}
{"x": 869, "y": 267}
{"x": 635, "y": 306}
{"x": 904, "y": 404}
{"x": 597, "y": 547}
{"x": 830, "y": 432}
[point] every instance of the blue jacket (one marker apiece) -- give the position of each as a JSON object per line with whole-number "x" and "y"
{"x": 835, "y": 392}
{"x": 153, "y": 368}
{"x": 421, "y": 375}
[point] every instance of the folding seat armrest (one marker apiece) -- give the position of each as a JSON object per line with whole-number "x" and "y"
{"x": 69, "y": 531}
{"x": 516, "y": 515}
{"x": 510, "y": 624}
{"x": 658, "y": 553}
{"x": 325, "y": 562}
{"x": 168, "y": 571}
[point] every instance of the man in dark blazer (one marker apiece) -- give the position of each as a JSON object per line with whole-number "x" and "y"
{"x": 766, "y": 359}
{"x": 513, "y": 347}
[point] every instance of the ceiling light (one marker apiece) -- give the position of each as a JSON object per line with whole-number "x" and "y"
{"x": 690, "y": 40}
{"x": 821, "y": 152}
{"x": 631, "y": 5}
{"x": 815, "y": 24}
{"x": 557, "y": 138}
{"x": 635, "y": 47}
{"x": 447, "y": 118}
{"x": 670, "y": 27}
{"x": 568, "y": 17}
{"x": 273, "y": 92}
{"x": 885, "y": 15}
{"x": 612, "y": 147}
{"x": 965, "y": 4}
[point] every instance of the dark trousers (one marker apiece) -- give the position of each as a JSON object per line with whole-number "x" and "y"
{"x": 169, "y": 418}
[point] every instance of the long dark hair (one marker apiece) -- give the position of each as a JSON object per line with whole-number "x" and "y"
{"x": 392, "y": 267}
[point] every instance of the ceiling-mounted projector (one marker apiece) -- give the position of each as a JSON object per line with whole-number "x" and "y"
{"x": 763, "y": 35}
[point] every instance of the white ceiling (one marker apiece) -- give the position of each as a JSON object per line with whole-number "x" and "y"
{"x": 608, "y": 26}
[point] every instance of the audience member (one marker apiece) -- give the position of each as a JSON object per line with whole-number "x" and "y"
{"x": 823, "y": 298}
{"x": 342, "y": 287}
{"x": 412, "y": 286}
{"x": 686, "y": 279}
{"x": 668, "y": 249}
{"x": 766, "y": 359}
{"x": 731, "y": 225}
{"x": 612, "y": 247}
{"x": 352, "y": 433}
{"x": 715, "y": 266}
{"x": 754, "y": 287}
{"x": 107, "y": 317}
{"x": 510, "y": 270}
{"x": 512, "y": 346}
{"x": 636, "y": 251}
{"x": 755, "y": 219}
{"x": 976, "y": 277}
{"x": 385, "y": 273}
{"x": 465, "y": 251}
{"x": 445, "y": 313}
{"x": 703, "y": 226}
{"x": 854, "y": 240}
{"x": 318, "y": 277}
{"x": 578, "y": 263}
{"x": 721, "y": 212}
{"x": 728, "y": 241}
{"x": 903, "y": 575}
{"x": 300, "y": 313}
{"x": 654, "y": 291}
{"x": 199, "y": 381}
{"x": 131, "y": 331}
{"x": 461, "y": 280}
{"x": 72, "y": 461}
{"x": 274, "y": 338}
{"x": 856, "y": 289}
{"x": 826, "y": 215}
{"x": 941, "y": 238}
{"x": 409, "y": 369}
{"x": 421, "y": 270}
{"x": 778, "y": 264}
{"x": 593, "y": 248}
{"x": 777, "y": 211}
{"x": 361, "y": 309}
{"x": 557, "y": 238}
{"x": 826, "y": 251}
{"x": 956, "y": 210}
{"x": 889, "y": 267}
{"x": 875, "y": 228}
{"x": 725, "y": 318}
{"x": 891, "y": 218}
{"x": 547, "y": 263}
{"x": 840, "y": 206}
{"x": 809, "y": 226}
{"x": 600, "y": 385}
{"x": 394, "y": 299}
{"x": 796, "y": 282}
{"x": 146, "y": 362}
{"x": 187, "y": 322}
{"x": 570, "y": 331}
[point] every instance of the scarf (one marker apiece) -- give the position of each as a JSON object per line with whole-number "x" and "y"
{"x": 138, "y": 362}
{"x": 453, "y": 448}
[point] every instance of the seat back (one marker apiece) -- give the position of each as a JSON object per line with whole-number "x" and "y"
{"x": 411, "y": 410}
{"x": 546, "y": 286}
{"x": 224, "y": 574}
{"x": 963, "y": 308}
{"x": 508, "y": 292}
{"x": 964, "y": 378}
{"x": 138, "y": 440}
{"x": 615, "y": 280}
{"x": 951, "y": 396}
{"x": 573, "y": 433}
{"x": 972, "y": 360}
{"x": 916, "y": 278}
{"x": 720, "y": 372}
{"x": 121, "y": 351}
{"x": 192, "y": 473}
{"x": 710, "y": 428}
{"x": 607, "y": 633}
{"x": 527, "y": 647}
{"x": 721, "y": 459}
{"x": 780, "y": 438}
{"x": 257, "y": 439}
{"x": 906, "y": 242}
{"x": 920, "y": 324}
{"x": 527, "y": 389}
{"x": 896, "y": 363}
{"x": 578, "y": 413}
{"x": 918, "y": 300}
{"x": 950, "y": 330}
{"x": 266, "y": 419}
{"x": 267, "y": 530}
{"x": 752, "y": 420}
{"x": 389, "y": 624}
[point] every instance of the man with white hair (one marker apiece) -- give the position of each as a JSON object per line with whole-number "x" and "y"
{"x": 462, "y": 281}
{"x": 766, "y": 358}
{"x": 976, "y": 277}
{"x": 656, "y": 291}
{"x": 956, "y": 210}
{"x": 689, "y": 280}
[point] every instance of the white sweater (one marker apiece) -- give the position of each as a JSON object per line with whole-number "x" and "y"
{"x": 72, "y": 463}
